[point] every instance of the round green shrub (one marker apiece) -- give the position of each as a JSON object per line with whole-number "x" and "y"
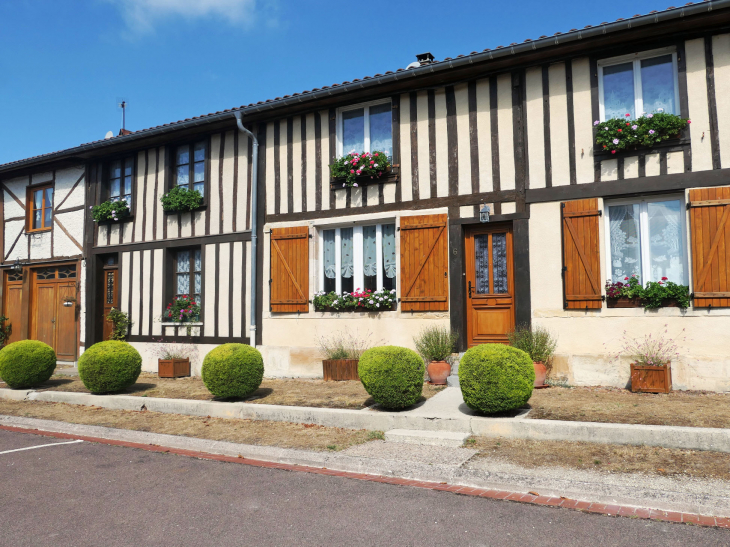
{"x": 26, "y": 363}
{"x": 233, "y": 370}
{"x": 393, "y": 376}
{"x": 496, "y": 378}
{"x": 109, "y": 366}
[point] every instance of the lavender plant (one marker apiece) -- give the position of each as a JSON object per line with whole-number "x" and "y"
{"x": 652, "y": 349}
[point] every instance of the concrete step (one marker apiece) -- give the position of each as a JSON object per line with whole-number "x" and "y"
{"x": 453, "y": 439}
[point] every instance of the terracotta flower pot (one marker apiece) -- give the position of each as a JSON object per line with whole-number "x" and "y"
{"x": 438, "y": 371}
{"x": 540, "y": 375}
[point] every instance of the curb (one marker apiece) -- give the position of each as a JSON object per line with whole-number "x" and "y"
{"x": 529, "y": 498}
{"x": 687, "y": 438}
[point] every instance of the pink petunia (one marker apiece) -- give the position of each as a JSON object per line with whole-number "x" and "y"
{"x": 627, "y": 114}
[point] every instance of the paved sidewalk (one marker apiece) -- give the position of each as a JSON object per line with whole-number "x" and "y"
{"x": 441, "y": 468}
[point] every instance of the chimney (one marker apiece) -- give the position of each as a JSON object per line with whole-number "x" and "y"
{"x": 123, "y": 132}
{"x": 425, "y": 58}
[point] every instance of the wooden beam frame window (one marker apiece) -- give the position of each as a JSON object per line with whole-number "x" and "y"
{"x": 40, "y": 208}
{"x": 188, "y": 278}
{"x": 639, "y": 83}
{"x": 365, "y": 127}
{"x": 121, "y": 177}
{"x": 190, "y": 166}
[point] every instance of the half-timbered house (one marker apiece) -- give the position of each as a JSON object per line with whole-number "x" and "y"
{"x": 510, "y": 130}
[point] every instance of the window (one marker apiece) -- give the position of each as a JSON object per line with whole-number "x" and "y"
{"x": 120, "y": 180}
{"x": 639, "y": 83}
{"x": 358, "y": 257}
{"x": 646, "y": 238}
{"x": 41, "y": 208}
{"x": 366, "y": 128}
{"x": 188, "y": 264}
{"x": 190, "y": 166}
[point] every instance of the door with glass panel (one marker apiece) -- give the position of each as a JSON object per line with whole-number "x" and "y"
{"x": 490, "y": 302}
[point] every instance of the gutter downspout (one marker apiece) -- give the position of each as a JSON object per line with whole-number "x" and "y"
{"x": 254, "y": 226}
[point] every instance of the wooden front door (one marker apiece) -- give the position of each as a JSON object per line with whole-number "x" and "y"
{"x": 54, "y": 317}
{"x": 111, "y": 298}
{"x": 490, "y": 304}
{"x": 14, "y": 304}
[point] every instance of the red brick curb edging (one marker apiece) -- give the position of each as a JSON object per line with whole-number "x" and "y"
{"x": 566, "y": 503}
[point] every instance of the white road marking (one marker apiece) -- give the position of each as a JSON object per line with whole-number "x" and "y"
{"x": 40, "y": 446}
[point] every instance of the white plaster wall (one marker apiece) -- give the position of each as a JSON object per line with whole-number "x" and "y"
{"x": 721, "y": 60}
{"x": 214, "y": 202}
{"x": 484, "y": 134}
{"x": 505, "y": 126}
{"x": 424, "y": 170}
{"x": 297, "y": 163}
{"x": 589, "y": 341}
{"x": 582, "y": 120}
{"x": 535, "y": 127}
{"x": 461, "y": 95}
{"x": 405, "y": 148}
{"x": 698, "y": 106}
{"x": 442, "y": 145}
{"x": 560, "y": 159}
{"x": 270, "y": 179}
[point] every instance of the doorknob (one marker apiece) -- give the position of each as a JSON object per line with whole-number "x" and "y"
{"x": 53, "y": 320}
{"x": 470, "y": 289}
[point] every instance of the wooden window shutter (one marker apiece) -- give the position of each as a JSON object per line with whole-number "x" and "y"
{"x": 710, "y": 239}
{"x": 581, "y": 255}
{"x": 290, "y": 269}
{"x": 424, "y": 263}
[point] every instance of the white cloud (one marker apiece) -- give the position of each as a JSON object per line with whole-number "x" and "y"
{"x": 142, "y": 15}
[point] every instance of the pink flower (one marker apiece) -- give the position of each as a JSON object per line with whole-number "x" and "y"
{"x": 376, "y": 154}
{"x": 352, "y": 171}
{"x": 651, "y": 131}
{"x": 596, "y": 122}
{"x": 620, "y": 130}
{"x": 613, "y": 151}
{"x": 689, "y": 121}
{"x": 664, "y": 278}
{"x": 355, "y": 184}
{"x": 626, "y": 278}
{"x": 627, "y": 114}
{"x": 371, "y": 162}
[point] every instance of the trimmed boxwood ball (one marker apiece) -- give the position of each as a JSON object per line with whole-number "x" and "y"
{"x": 26, "y": 363}
{"x": 496, "y": 378}
{"x": 109, "y": 366}
{"x": 233, "y": 370}
{"x": 392, "y": 375}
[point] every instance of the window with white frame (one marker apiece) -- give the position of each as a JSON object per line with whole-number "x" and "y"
{"x": 646, "y": 237}
{"x": 358, "y": 257}
{"x": 637, "y": 84}
{"x": 365, "y": 128}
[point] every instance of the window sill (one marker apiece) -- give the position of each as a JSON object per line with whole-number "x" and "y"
{"x": 625, "y": 302}
{"x": 39, "y": 231}
{"x": 355, "y": 310}
{"x": 201, "y": 208}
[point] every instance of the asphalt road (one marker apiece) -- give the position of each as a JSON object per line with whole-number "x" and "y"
{"x": 88, "y": 494}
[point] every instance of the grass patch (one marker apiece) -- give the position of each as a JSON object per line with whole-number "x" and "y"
{"x": 278, "y": 391}
{"x": 613, "y": 405}
{"x": 609, "y": 458}
{"x": 257, "y": 432}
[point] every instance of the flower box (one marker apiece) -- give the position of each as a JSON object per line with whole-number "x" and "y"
{"x": 389, "y": 175}
{"x": 340, "y": 369}
{"x": 330, "y": 309}
{"x": 173, "y": 368}
{"x": 624, "y": 302}
{"x": 651, "y": 379}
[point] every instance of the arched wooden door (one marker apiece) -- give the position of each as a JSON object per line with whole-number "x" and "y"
{"x": 490, "y": 307}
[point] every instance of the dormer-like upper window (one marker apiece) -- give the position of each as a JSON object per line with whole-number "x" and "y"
{"x": 638, "y": 84}
{"x": 365, "y": 128}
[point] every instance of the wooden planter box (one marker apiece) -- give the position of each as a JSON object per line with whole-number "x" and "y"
{"x": 389, "y": 175}
{"x": 394, "y": 307}
{"x": 651, "y": 379}
{"x": 623, "y": 302}
{"x": 173, "y": 368}
{"x": 340, "y": 369}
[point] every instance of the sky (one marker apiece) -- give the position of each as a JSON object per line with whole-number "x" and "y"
{"x": 66, "y": 63}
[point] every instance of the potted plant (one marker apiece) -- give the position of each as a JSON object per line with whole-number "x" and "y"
{"x": 362, "y": 166}
{"x": 624, "y": 294}
{"x": 173, "y": 358}
{"x": 629, "y": 293}
{"x": 110, "y": 211}
{"x": 120, "y": 324}
{"x": 539, "y": 343}
{"x": 181, "y": 200}
{"x": 342, "y": 351}
{"x": 358, "y": 300}
{"x": 619, "y": 134}
{"x": 435, "y": 345}
{"x": 651, "y": 369}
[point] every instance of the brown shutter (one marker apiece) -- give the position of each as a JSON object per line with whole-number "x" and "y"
{"x": 710, "y": 225}
{"x": 581, "y": 254}
{"x": 290, "y": 269}
{"x": 424, "y": 263}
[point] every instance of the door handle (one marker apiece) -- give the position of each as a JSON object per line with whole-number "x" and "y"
{"x": 53, "y": 320}
{"x": 470, "y": 287}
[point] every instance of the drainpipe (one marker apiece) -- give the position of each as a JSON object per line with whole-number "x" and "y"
{"x": 254, "y": 226}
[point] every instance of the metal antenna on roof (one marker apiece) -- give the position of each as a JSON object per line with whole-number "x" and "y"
{"x": 123, "y": 104}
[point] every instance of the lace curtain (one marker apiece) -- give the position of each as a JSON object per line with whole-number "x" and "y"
{"x": 666, "y": 249}
{"x": 625, "y": 241}
{"x": 389, "y": 250}
{"x": 183, "y": 272}
{"x": 369, "y": 251}
{"x": 330, "y": 269}
{"x": 198, "y": 268}
{"x": 499, "y": 263}
{"x": 346, "y": 264}
{"x": 481, "y": 255}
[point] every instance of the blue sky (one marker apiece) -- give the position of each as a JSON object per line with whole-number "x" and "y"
{"x": 64, "y": 63}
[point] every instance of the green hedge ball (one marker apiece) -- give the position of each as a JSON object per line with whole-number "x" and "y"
{"x": 392, "y": 375}
{"x": 233, "y": 370}
{"x": 111, "y": 366}
{"x": 496, "y": 378}
{"x": 26, "y": 363}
